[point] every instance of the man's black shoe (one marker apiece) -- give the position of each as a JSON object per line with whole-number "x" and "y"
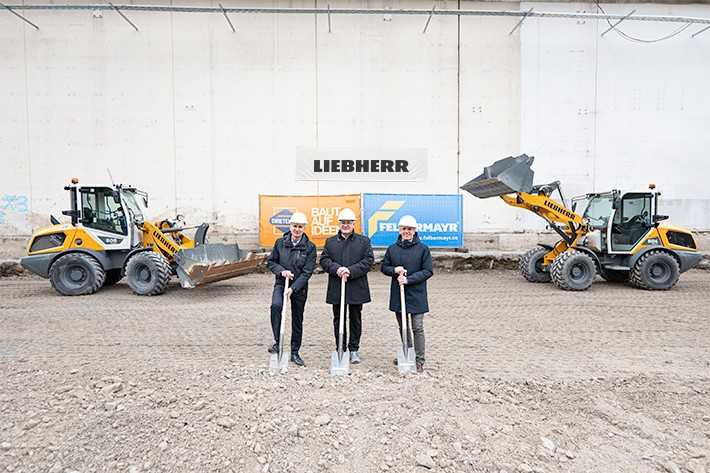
{"x": 273, "y": 348}
{"x": 296, "y": 359}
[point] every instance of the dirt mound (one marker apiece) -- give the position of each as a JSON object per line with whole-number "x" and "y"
{"x": 11, "y": 268}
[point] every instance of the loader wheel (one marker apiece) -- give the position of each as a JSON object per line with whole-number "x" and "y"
{"x": 76, "y": 274}
{"x": 573, "y": 271}
{"x": 148, "y": 273}
{"x": 112, "y": 277}
{"x": 531, "y": 265}
{"x": 655, "y": 271}
{"x": 614, "y": 275}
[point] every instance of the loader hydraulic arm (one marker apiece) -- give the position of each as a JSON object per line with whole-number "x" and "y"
{"x": 153, "y": 236}
{"x": 554, "y": 213}
{"x": 545, "y": 207}
{"x": 511, "y": 179}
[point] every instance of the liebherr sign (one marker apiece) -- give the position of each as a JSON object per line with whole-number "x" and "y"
{"x": 365, "y": 164}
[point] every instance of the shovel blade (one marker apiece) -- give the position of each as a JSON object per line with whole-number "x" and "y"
{"x": 277, "y": 362}
{"x": 214, "y": 262}
{"x": 340, "y": 366}
{"x": 505, "y": 176}
{"x": 406, "y": 363}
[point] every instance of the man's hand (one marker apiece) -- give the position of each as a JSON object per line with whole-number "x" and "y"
{"x": 289, "y": 292}
{"x": 343, "y": 272}
{"x": 286, "y": 274}
{"x": 400, "y": 270}
{"x": 402, "y": 279}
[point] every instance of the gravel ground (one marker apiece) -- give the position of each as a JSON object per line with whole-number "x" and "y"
{"x": 520, "y": 378}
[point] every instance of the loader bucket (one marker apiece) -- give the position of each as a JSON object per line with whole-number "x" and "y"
{"x": 505, "y": 176}
{"x": 214, "y": 262}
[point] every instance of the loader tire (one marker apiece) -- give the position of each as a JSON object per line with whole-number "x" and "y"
{"x": 148, "y": 273}
{"x": 112, "y": 277}
{"x": 614, "y": 275}
{"x": 655, "y": 271}
{"x": 76, "y": 274}
{"x": 573, "y": 271}
{"x": 531, "y": 265}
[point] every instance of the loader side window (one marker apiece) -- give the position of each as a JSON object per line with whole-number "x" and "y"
{"x": 100, "y": 211}
{"x": 134, "y": 210}
{"x": 631, "y": 221}
{"x": 598, "y": 210}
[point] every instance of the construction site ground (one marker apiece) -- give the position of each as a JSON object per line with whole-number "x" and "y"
{"x": 519, "y": 377}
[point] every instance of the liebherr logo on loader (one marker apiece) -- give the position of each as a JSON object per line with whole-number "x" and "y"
{"x": 158, "y": 236}
{"x": 559, "y": 209}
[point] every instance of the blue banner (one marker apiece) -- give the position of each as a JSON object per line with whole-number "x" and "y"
{"x": 439, "y": 218}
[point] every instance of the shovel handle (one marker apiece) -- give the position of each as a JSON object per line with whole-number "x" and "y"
{"x": 405, "y": 330}
{"x": 283, "y": 323}
{"x": 283, "y": 309}
{"x": 342, "y": 292}
{"x": 403, "y": 299}
{"x": 341, "y": 322}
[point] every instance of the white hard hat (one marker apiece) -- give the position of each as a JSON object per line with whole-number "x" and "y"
{"x": 346, "y": 214}
{"x": 407, "y": 221}
{"x": 299, "y": 218}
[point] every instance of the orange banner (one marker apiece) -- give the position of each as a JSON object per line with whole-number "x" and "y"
{"x": 321, "y": 212}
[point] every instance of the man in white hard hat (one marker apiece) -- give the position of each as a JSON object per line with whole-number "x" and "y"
{"x": 293, "y": 257}
{"x": 408, "y": 262}
{"x": 348, "y": 255}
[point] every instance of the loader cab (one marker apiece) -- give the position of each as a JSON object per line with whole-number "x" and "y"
{"x": 108, "y": 213}
{"x": 632, "y": 217}
{"x": 101, "y": 209}
{"x": 622, "y": 220}
{"x": 107, "y": 209}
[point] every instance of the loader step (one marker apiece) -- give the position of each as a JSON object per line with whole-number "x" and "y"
{"x": 615, "y": 267}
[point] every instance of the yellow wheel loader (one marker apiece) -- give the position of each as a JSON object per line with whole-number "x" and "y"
{"x": 108, "y": 239}
{"x": 618, "y": 236}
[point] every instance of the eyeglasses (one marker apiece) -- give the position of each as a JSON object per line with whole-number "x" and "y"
{"x": 346, "y": 222}
{"x": 296, "y": 225}
{"x": 407, "y": 229}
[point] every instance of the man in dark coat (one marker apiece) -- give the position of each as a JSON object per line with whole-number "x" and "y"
{"x": 348, "y": 256}
{"x": 408, "y": 262}
{"x": 293, "y": 257}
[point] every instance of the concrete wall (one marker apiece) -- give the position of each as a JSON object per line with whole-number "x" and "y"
{"x": 205, "y": 119}
{"x": 605, "y": 112}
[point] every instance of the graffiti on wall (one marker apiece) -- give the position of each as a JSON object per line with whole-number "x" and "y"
{"x": 13, "y": 208}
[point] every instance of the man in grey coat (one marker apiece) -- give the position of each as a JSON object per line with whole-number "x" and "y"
{"x": 348, "y": 256}
{"x": 408, "y": 262}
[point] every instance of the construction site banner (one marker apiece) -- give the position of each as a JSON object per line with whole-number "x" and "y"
{"x": 361, "y": 164}
{"x": 439, "y": 218}
{"x": 321, "y": 210}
